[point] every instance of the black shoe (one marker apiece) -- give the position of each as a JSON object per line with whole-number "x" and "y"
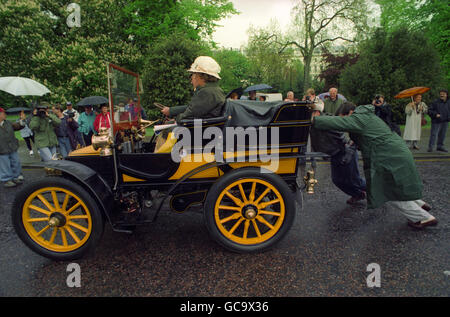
{"x": 430, "y": 149}
{"x": 442, "y": 149}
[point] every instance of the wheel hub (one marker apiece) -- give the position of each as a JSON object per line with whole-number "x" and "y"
{"x": 250, "y": 212}
{"x": 56, "y": 220}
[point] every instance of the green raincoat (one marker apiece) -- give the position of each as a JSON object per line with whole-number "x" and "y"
{"x": 207, "y": 102}
{"x": 44, "y": 130}
{"x": 389, "y": 167}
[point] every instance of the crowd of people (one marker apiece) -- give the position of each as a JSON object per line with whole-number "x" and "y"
{"x": 53, "y": 130}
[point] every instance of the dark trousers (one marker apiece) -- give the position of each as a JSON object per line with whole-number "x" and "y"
{"x": 438, "y": 131}
{"x": 28, "y": 140}
{"x": 346, "y": 177}
{"x": 88, "y": 138}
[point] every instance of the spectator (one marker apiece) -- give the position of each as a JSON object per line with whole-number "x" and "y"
{"x": 384, "y": 112}
{"x": 415, "y": 111}
{"x": 103, "y": 119}
{"x": 234, "y": 96}
{"x": 389, "y": 167}
{"x": 76, "y": 140}
{"x": 69, "y": 108}
{"x": 86, "y": 125}
{"x": 42, "y": 124}
{"x": 311, "y": 96}
{"x": 333, "y": 102}
{"x": 252, "y": 95}
{"x": 62, "y": 132}
{"x": 439, "y": 112}
{"x": 289, "y": 96}
{"x": 10, "y": 167}
{"x": 26, "y": 132}
{"x": 262, "y": 98}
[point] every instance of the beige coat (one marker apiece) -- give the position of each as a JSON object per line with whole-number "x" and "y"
{"x": 413, "y": 127}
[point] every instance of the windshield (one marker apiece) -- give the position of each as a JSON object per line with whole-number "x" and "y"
{"x": 124, "y": 99}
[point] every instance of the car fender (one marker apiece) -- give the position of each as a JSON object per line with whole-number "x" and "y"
{"x": 84, "y": 175}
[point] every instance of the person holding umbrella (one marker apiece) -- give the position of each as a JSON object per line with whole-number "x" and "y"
{"x": 414, "y": 110}
{"x": 10, "y": 167}
{"x": 86, "y": 124}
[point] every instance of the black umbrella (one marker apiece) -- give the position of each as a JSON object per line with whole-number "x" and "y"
{"x": 257, "y": 87}
{"x": 17, "y": 110}
{"x": 93, "y": 100}
{"x": 239, "y": 92}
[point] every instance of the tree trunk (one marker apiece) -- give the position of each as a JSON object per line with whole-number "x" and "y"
{"x": 307, "y": 70}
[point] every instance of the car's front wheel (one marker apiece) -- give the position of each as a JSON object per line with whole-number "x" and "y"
{"x": 57, "y": 218}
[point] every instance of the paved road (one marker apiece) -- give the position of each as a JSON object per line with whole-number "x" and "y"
{"x": 326, "y": 253}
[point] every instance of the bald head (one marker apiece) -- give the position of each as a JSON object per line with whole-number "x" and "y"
{"x": 333, "y": 93}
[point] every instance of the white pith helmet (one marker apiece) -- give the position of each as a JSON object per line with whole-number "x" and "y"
{"x": 206, "y": 65}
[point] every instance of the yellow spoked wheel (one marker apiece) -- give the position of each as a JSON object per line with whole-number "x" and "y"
{"x": 250, "y": 211}
{"x": 57, "y": 218}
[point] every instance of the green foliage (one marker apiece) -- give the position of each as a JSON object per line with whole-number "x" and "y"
{"x": 36, "y": 42}
{"x": 390, "y": 63}
{"x": 430, "y": 17}
{"x": 194, "y": 18}
{"x": 164, "y": 72}
{"x": 71, "y": 62}
{"x": 234, "y": 68}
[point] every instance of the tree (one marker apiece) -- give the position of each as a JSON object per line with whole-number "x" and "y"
{"x": 71, "y": 62}
{"x": 281, "y": 70}
{"x": 320, "y": 22}
{"x": 334, "y": 65}
{"x": 235, "y": 68}
{"x": 194, "y": 18}
{"x": 430, "y": 17}
{"x": 390, "y": 63}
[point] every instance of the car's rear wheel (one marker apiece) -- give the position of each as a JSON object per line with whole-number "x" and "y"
{"x": 248, "y": 211}
{"x": 57, "y": 218}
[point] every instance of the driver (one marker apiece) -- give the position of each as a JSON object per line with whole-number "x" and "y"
{"x": 208, "y": 98}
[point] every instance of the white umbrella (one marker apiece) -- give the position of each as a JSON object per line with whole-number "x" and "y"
{"x": 20, "y": 86}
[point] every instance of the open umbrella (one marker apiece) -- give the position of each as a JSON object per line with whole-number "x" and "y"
{"x": 411, "y": 92}
{"x": 327, "y": 95}
{"x": 93, "y": 100}
{"x": 17, "y": 110}
{"x": 257, "y": 87}
{"x": 20, "y": 86}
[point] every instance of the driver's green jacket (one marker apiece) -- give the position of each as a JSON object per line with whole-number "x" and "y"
{"x": 206, "y": 102}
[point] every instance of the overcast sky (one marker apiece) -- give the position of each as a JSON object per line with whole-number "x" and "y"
{"x": 258, "y": 13}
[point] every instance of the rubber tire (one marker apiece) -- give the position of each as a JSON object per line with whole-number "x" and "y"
{"x": 242, "y": 173}
{"x": 98, "y": 221}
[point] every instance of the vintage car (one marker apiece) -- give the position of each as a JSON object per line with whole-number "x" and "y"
{"x": 249, "y": 193}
